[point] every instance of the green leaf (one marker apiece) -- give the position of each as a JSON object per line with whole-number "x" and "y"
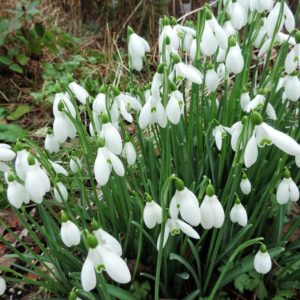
{"x": 5, "y": 60}
{"x": 2, "y": 112}
{"x": 20, "y": 111}
{"x": 119, "y": 293}
{"x": 39, "y": 29}
{"x": 13, "y": 51}
{"x": 262, "y": 292}
{"x": 16, "y": 68}
{"x": 240, "y": 283}
{"x": 22, "y": 59}
{"x": 10, "y": 133}
{"x": 4, "y": 26}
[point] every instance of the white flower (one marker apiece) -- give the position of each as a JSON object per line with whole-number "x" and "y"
{"x": 187, "y": 34}
{"x": 129, "y": 152}
{"x": 152, "y": 213}
{"x": 212, "y": 212}
{"x": 104, "y": 163}
{"x": 122, "y": 104}
{"x": 51, "y": 144}
{"x": 287, "y": 190}
{"x": 156, "y": 84}
{"x": 292, "y": 88}
{"x": 6, "y": 154}
{"x": 292, "y": 60}
{"x": 189, "y": 72}
{"x": 112, "y": 137}
{"x": 238, "y": 15}
{"x": 211, "y": 80}
{"x": 60, "y": 192}
{"x": 80, "y": 93}
{"x": 185, "y": 203}
{"x": 175, "y": 107}
{"x": 235, "y": 132}
{"x": 70, "y": 233}
{"x": 173, "y": 227}
{"x": 218, "y": 133}
{"x": 245, "y": 185}
{"x": 171, "y": 33}
{"x": 238, "y": 214}
{"x": 37, "y": 182}
{"x": 2, "y": 286}
{"x": 234, "y": 60}
{"x": 99, "y": 104}
{"x": 58, "y": 169}
{"x": 21, "y": 163}
{"x": 262, "y": 261}
{"x": 244, "y": 100}
{"x": 153, "y": 111}
{"x": 100, "y": 257}
{"x": 75, "y": 164}
{"x": 261, "y": 5}
{"x": 17, "y": 193}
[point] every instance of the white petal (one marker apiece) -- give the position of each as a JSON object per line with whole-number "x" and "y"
{"x": 188, "y": 230}
{"x": 211, "y": 80}
{"x": 113, "y": 140}
{"x": 101, "y": 168}
{"x": 245, "y": 186}
{"x": 251, "y": 152}
{"x": 60, "y": 192}
{"x": 173, "y": 110}
{"x": 17, "y": 194}
{"x": 108, "y": 240}
{"x": 6, "y": 154}
{"x": 218, "y": 212}
{"x": 282, "y": 193}
{"x": 2, "y": 286}
{"x": 70, "y": 234}
{"x": 294, "y": 191}
{"x": 130, "y": 153}
{"x": 80, "y": 93}
{"x": 117, "y": 164}
{"x": 88, "y": 276}
{"x": 145, "y": 115}
{"x": 262, "y": 262}
{"x": 207, "y": 218}
{"x": 189, "y": 72}
{"x": 161, "y": 115}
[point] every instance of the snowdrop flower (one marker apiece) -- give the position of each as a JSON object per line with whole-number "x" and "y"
{"x": 234, "y": 60}
{"x": 262, "y": 261}
{"x": 101, "y": 258}
{"x": 60, "y": 192}
{"x": 245, "y": 185}
{"x": 211, "y": 80}
{"x": 21, "y": 163}
{"x": 111, "y": 135}
{"x": 258, "y": 102}
{"x": 137, "y": 47}
{"x": 218, "y": 133}
{"x": 99, "y": 104}
{"x": 261, "y": 5}
{"x": 122, "y": 104}
{"x": 80, "y": 93}
{"x": 37, "y": 182}
{"x": 105, "y": 162}
{"x": 69, "y": 232}
{"x": 174, "y": 227}
{"x": 62, "y": 125}
{"x": 104, "y": 238}
{"x": 292, "y": 60}
{"x": 152, "y": 214}
{"x": 244, "y": 100}
{"x": 2, "y": 286}
{"x": 237, "y": 14}
{"x": 264, "y": 134}
{"x": 157, "y": 82}
{"x": 75, "y": 164}
{"x": 212, "y": 212}
{"x": 153, "y": 112}
{"x": 287, "y": 20}
{"x": 287, "y": 189}
{"x": 221, "y": 71}
{"x": 6, "y": 154}
{"x": 238, "y": 213}
{"x": 95, "y": 126}
{"x": 58, "y": 169}
{"x": 187, "y": 34}
{"x": 292, "y": 88}
{"x": 229, "y": 29}
{"x": 175, "y": 107}
{"x": 235, "y": 132}
{"x": 51, "y": 144}
{"x": 16, "y": 192}
{"x": 168, "y": 32}
{"x": 129, "y": 152}
{"x": 185, "y": 203}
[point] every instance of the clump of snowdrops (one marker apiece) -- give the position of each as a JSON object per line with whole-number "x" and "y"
{"x": 190, "y": 196}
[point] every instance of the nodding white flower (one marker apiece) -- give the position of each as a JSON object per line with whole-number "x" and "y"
{"x": 238, "y": 15}
{"x": 229, "y": 29}
{"x": 129, "y": 152}
{"x": 62, "y": 125}
{"x": 238, "y": 214}
{"x": 171, "y": 33}
{"x": 75, "y": 164}
{"x": 287, "y": 20}
{"x": 153, "y": 112}
{"x": 2, "y": 286}
{"x": 80, "y": 93}
{"x": 292, "y": 88}
{"x": 16, "y": 193}
{"x": 21, "y": 163}
{"x": 6, "y": 154}
{"x": 258, "y": 102}
{"x": 218, "y": 133}
{"x": 122, "y": 104}
{"x": 212, "y": 212}
{"x": 69, "y": 232}
{"x": 51, "y": 144}
{"x": 234, "y": 60}
{"x": 152, "y": 214}
{"x": 221, "y": 55}
{"x": 221, "y": 71}
{"x": 174, "y": 227}
{"x": 105, "y": 162}
{"x": 156, "y": 84}
{"x": 187, "y": 34}
{"x": 244, "y": 100}
{"x": 261, "y": 5}
{"x": 58, "y": 169}
{"x": 258, "y": 42}
{"x": 264, "y": 134}
{"x": 211, "y": 80}
{"x": 61, "y": 192}
{"x": 100, "y": 257}
{"x": 111, "y": 135}
{"x": 292, "y": 60}
{"x": 175, "y": 107}
{"x": 245, "y": 185}
{"x": 37, "y": 182}
{"x": 262, "y": 261}
{"x": 185, "y": 203}
{"x": 99, "y": 104}
{"x": 287, "y": 189}
{"x": 235, "y": 132}
{"x": 95, "y": 126}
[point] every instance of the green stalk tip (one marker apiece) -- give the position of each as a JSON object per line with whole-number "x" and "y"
{"x": 95, "y": 224}
{"x": 31, "y": 160}
{"x": 286, "y": 173}
{"x": 256, "y": 118}
{"x": 104, "y": 118}
{"x": 210, "y": 191}
{"x": 91, "y": 241}
{"x": 64, "y": 218}
{"x": 263, "y": 248}
{"x": 179, "y": 184}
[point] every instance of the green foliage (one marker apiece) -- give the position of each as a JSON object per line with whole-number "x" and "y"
{"x": 11, "y": 133}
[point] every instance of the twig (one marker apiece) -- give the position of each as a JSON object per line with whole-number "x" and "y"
{"x": 4, "y": 96}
